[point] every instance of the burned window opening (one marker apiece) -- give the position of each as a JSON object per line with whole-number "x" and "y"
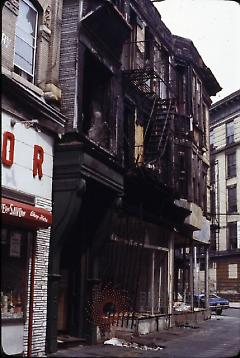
{"x": 97, "y": 111}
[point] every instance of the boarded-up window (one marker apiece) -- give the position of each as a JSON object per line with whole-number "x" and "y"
{"x": 232, "y": 271}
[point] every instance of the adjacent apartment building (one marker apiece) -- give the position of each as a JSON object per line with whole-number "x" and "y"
{"x": 31, "y": 122}
{"x": 225, "y": 194}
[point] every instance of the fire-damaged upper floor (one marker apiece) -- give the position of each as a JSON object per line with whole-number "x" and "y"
{"x": 136, "y": 93}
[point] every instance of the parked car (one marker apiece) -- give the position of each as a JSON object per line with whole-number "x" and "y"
{"x": 216, "y": 303}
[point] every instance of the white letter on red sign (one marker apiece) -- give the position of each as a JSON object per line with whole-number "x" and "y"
{"x": 8, "y": 139}
{"x": 37, "y": 161}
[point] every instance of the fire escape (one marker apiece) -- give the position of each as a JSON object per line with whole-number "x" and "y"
{"x": 154, "y": 81}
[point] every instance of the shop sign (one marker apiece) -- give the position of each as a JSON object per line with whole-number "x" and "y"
{"x": 8, "y": 147}
{"x": 27, "y": 159}
{"x": 29, "y": 213}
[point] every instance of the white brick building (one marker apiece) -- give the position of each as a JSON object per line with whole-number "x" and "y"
{"x": 225, "y": 195}
{"x": 31, "y": 123}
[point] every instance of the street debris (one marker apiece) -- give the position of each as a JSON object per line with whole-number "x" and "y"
{"x": 181, "y": 306}
{"x": 122, "y": 343}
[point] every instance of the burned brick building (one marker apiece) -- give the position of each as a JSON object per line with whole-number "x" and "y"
{"x": 130, "y": 172}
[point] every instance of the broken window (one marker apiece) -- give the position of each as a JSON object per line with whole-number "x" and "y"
{"x": 137, "y": 42}
{"x": 139, "y": 137}
{"x": 197, "y": 100}
{"x": 182, "y": 90}
{"x": 129, "y": 121}
{"x": 98, "y": 121}
{"x": 182, "y": 174}
{"x": 164, "y": 74}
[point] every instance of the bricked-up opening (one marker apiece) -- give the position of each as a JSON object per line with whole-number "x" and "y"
{"x": 97, "y": 102}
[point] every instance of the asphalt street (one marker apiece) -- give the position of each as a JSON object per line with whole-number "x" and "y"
{"x": 218, "y": 337}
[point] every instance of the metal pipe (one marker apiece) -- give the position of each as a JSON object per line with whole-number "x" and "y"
{"x": 206, "y": 281}
{"x": 31, "y": 298}
{"x": 152, "y": 285}
{"x": 191, "y": 284}
{"x": 159, "y": 287}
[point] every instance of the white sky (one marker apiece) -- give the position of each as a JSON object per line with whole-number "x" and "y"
{"x": 214, "y": 28}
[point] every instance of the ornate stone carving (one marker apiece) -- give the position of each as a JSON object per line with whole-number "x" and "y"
{"x": 13, "y": 5}
{"x": 47, "y": 17}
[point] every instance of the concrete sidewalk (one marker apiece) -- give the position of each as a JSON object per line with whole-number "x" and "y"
{"x": 216, "y": 337}
{"x": 234, "y": 304}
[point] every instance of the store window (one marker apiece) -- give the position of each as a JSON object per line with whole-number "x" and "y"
{"x": 14, "y": 272}
{"x": 25, "y": 40}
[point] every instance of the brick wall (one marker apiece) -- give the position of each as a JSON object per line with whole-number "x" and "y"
{"x": 227, "y": 286}
{"x": 68, "y": 57}
{"x": 40, "y": 291}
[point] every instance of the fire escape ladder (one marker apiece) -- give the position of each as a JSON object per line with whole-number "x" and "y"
{"x": 165, "y": 132}
{"x": 156, "y": 146}
{"x": 150, "y": 117}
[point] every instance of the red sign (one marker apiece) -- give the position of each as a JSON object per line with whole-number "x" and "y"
{"x": 29, "y": 215}
{"x": 8, "y": 145}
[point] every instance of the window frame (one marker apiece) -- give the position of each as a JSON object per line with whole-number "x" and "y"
{"x": 232, "y": 235}
{"x": 232, "y": 207}
{"x": 230, "y": 127}
{"x": 17, "y": 68}
{"x": 231, "y": 167}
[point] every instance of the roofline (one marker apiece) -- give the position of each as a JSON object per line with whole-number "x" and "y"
{"x": 226, "y": 100}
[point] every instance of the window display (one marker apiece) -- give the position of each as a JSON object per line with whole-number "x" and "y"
{"x": 14, "y": 261}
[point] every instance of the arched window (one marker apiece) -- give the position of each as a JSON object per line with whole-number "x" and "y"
{"x": 25, "y": 40}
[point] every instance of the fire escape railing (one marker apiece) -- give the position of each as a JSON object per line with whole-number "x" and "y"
{"x": 154, "y": 78}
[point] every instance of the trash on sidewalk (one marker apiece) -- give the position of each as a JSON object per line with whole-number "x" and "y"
{"x": 122, "y": 343}
{"x": 181, "y": 306}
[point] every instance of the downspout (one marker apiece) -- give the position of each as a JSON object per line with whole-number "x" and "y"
{"x": 170, "y": 276}
{"x": 31, "y": 298}
{"x": 159, "y": 287}
{"x": 152, "y": 285}
{"x": 206, "y": 277}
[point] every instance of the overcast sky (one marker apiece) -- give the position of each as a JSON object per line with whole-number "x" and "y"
{"x": 214, "y": 28}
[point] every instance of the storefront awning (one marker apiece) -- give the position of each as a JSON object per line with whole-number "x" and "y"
{"x": 24, "y": 215}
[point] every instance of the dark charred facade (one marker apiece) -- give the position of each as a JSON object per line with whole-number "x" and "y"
{"x": 130, "y": 172}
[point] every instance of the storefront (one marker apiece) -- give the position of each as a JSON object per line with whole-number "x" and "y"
{"x": 27, "y": 163}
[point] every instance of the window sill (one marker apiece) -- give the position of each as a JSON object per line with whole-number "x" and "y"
{"x": 27, "y": 84}
{"x": 22, "y": 81}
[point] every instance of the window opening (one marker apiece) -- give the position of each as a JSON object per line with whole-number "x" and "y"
{"x": 232, "y": 235}
{"x": 231, "y": 165}
{"x": 25, "y": 40}
{"x": 232, "y": 199}
{"x": 230, "y": 132}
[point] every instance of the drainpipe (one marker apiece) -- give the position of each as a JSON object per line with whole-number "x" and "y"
{"x": 191, "y": 284}
{"x": 206, "y": 281}
{"x": 152, "y": 286}
{"x": 195, "y": 269}
{"x": 31, "y": 298}
{"x": 159, "y": 287}
{"x": 170, "y": 274}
